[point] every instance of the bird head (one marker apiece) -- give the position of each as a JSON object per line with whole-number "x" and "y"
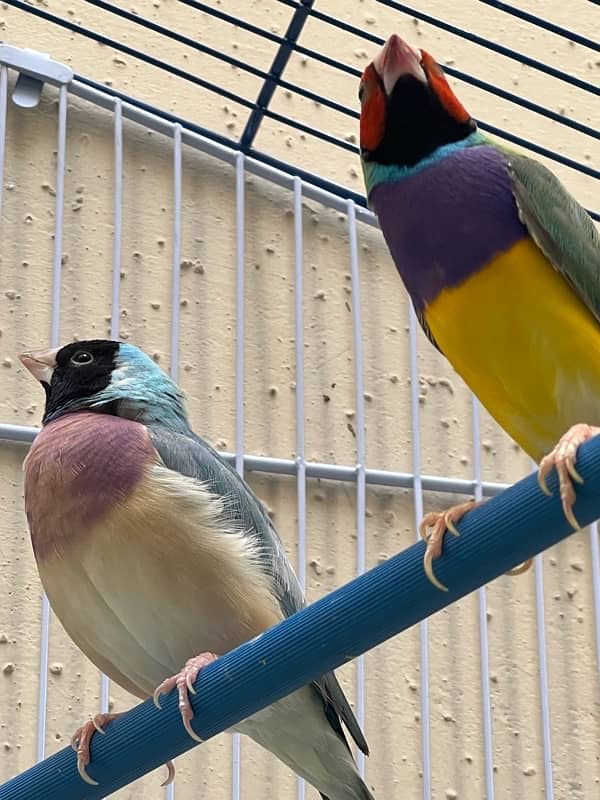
{"x": 108, "y": 377}
{"x": 408, "y": 109}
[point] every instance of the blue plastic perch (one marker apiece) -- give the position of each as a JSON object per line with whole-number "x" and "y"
{"x": 502, "y": 533}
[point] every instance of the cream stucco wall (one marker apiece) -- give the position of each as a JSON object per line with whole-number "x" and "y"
{"x": 207, "y": 375}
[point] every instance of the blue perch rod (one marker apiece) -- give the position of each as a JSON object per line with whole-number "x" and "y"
{"x": 502, "y": 533}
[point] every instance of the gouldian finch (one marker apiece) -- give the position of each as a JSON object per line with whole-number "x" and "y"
{"x": 501, "y": 263}
{"x": 157, "y": 557}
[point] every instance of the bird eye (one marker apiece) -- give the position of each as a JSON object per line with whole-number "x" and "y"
{"x": 81, "y": 358}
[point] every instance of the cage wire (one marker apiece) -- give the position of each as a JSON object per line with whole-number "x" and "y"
{"x": 295, "y": 42}
{"x": 306, "y": 33}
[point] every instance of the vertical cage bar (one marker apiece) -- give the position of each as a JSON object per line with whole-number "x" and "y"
{"x": 115, "y": 288}
{"x": 3, "y": 105}
{"x": 418, "y": 490}
{"x": 239, "y": 314}
{"x": 236, "y": 751}
{"x": 117, "y": 220}
{"x": 43, "y": 689}
{"x": 59, "y": 214}
{"x": 176, "y": 267}
{"x": 544, "y": 690}
{"x": 486, "y": 704}
{"x": 360, "y": 452}
{"x": 300, "y": 428}
{"x": 595, "y": 548}
{"x": 175, "y": 285}
{"x": 54, "y": 334}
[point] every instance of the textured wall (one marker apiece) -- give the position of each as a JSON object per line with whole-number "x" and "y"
{"x": 207, "y": 375}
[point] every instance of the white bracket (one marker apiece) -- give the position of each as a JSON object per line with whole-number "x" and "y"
{"x": 34, "y": 70}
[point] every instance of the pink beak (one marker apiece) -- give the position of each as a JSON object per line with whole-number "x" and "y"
{"x": 40, "y": 363}
{"x": 398, "y": 58}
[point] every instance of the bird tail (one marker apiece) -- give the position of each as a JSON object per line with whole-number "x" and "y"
{"x": 350, "y": 794}
{"x": 357, "y": 791}
{"x": 297, "y": 731}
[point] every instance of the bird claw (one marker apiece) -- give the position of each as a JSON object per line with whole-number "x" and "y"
{"x": 170, "y": 774}
{"x": 184, "y": 681}
{"x": 543, "y": 470}
{"x": 82, "y": 739}
{"x": 98, "y": 726}
{"x": 520, "y": 569}
{"x": 189, "y": 682}
{"x": 441, "y": 522}
{"x": 563, "y": 457}
{"x": 81, "y": 742}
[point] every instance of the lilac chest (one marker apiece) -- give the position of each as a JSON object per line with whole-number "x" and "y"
{"x": 78, "y": 468}
{"x": 449, "y": 220}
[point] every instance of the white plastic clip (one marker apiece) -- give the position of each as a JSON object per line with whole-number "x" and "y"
{"x": 34, "y": 70}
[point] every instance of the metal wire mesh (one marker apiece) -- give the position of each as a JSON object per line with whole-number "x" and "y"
{"x": 247, "y": 159}
{"x": 296, "y": 41}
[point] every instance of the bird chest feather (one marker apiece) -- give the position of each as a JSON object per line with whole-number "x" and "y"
{"x": 157, "y": 575}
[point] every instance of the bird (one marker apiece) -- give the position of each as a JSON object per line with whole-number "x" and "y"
{"x": 157, "y": 557}
{"x": 501, "y": 263}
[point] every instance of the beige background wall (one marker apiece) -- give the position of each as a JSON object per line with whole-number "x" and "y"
{"x": 207, "y": 375}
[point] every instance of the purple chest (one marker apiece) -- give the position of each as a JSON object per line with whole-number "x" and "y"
{"x": 78, "y": 468}
{"x": 446, "y": 222}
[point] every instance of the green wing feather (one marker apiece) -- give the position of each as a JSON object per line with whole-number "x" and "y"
{"x": 561, "y": 228}
{"x": 426, "y": 329}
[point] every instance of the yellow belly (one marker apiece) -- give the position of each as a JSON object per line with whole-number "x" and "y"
{"x": 525, "y": 344}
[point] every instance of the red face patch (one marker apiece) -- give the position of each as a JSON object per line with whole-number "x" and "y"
{"x": 437, "y": 81}
{"x": 372, "y": 114}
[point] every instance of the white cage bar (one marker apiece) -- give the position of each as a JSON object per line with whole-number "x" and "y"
{"x": 359, "y": 473}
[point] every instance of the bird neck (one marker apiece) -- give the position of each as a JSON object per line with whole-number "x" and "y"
{"x": 167, "y": 415}
{"x": 375, "y": 173}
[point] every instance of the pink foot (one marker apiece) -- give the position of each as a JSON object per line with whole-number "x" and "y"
{"x": 184, "y": 681}
{"x": 440, "y": 523}
{"x": 82, "y": 739}
{"x": 563, "y": 457}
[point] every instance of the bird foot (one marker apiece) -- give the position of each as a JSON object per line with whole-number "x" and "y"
{"x": 563, "y": 457}
{"x": 82, "y": 739}
{"x": 184, "y": 681}
{"x": 434, "y": 527}
{"x": 442, "y": 522}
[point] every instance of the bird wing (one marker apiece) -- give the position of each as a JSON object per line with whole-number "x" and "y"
{"x": 420, "y": 315}
{"x": 561, "y": 228}
{"x": 191, "y": 456}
